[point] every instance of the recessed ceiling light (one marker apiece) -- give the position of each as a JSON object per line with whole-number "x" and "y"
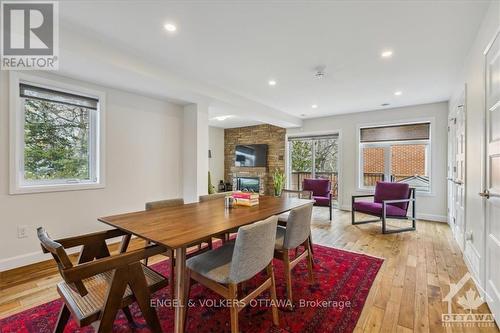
{"x": 272, "y": 82}
{"x": 314, "y": 106}
{"x": 170, "y": 27}
{"x": 386, "y": 54}
{"x": 222, "y": 118}
{"x": 398, "y": 93}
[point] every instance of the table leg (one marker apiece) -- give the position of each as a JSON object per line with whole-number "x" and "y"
{"x": 180, "y": 289}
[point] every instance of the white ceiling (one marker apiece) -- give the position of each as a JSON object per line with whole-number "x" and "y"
{"x": 238, "y": 46}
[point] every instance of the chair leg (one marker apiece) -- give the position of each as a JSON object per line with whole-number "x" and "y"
{"x": 384, "y": 229}
{"x": 113, "y": 300}
{"x": 274, "y": 299}
{"x": 288, "y": 277}
{"x": 311, "y": 242}
{"x": 186, "y": 296}
{"x": 309, "y": 260}
{"x": 233, "y": 291}
{"x": 128, "y": 315}
{"x": 330, "y": 206}
{"x": 62, "y": 320}
{"x": 139, "y": 286}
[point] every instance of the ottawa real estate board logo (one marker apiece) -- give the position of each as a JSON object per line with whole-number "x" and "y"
{"x": 30, "y": 35}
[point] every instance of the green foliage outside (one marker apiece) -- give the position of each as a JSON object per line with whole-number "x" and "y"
{"x": 326, "y": 151}
{"x": 56, "y": 141}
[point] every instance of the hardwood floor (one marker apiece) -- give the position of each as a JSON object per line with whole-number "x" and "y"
{"x": 405, "y": 297}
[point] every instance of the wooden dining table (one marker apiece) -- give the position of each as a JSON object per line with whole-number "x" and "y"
{"x": 178, "y": 227}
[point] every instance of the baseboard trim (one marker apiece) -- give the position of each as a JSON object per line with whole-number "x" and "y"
{"x": 420, "y": 216}
{"x": 38, "y": 257}
{"x": 29, "y": 259}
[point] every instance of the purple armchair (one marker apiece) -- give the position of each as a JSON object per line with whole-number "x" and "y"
{"x": 321, "y": 192}
{"x": 391, "y": 200}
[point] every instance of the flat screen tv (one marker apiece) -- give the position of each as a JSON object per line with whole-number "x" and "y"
{"x": 251, "y": 156}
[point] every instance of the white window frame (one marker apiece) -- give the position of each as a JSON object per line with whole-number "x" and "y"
{"x": 429, "y": 155}
{"x": 16, "y": 128}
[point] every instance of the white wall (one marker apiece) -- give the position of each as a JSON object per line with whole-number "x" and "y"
{"x": 143, "y": 163}
{"x": 216, "y": 145}
{"x": 473, "y": 75}
{"x": 195, "y": 152}
{"x": 431, "y": 207}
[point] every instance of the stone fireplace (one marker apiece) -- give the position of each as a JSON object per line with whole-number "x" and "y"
{"x": 272, "y": 136}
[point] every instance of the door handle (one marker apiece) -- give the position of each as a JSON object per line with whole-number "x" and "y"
{"x": 485, "y": 194}
{"x": 458, "y": 182}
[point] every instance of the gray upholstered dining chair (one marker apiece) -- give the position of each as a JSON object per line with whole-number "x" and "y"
{"x": 301, "y": 194}
{"x": 222, "y": 269}
{"x": 153, "y": 205}
{"x": 296, "y": 233}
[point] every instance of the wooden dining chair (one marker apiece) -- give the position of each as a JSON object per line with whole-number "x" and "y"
{"x": 296, "y": 233}
{"x": 99, "y": 284}
{"x": 153, "y": 205}
{"x": 222, "y": 269}
{"x": 301, "y": 194}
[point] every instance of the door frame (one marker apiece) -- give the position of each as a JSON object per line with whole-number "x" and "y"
{"x": 484, "y": 176}
{"x": 340, "y": 182}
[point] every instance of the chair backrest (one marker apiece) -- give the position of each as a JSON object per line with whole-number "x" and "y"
{"x": 61, "y": 258}
{"x": 253, "y": 249}
{"x": 392, "y": 191}
{"x": 214, "y": 196}
{"x": 298, "y": 226}
{"x": 304, "y": 194}
{"x": 164, "y": 203}
{"x": 319, "y": 187}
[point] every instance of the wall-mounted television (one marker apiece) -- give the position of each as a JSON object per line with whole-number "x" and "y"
{"x": 251, "y": 156}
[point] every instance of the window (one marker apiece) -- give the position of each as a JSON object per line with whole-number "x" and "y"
{"x": 397, "y": 153}
{"x": 56, "y": 130}
{"x": 313, "y": 157}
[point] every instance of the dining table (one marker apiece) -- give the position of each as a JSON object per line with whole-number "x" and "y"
{"x": 178, "y": 227}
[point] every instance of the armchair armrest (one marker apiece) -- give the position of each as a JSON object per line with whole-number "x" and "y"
{"x": 88, "y": 269}
{"x": 89, "y": 238}
{"x": 354, "y": 197}
{"x": 398, "y": 200}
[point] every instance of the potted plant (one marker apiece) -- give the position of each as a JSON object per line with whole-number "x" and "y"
{"x": 278, "y": 181}
{"x": 211, "y": 188}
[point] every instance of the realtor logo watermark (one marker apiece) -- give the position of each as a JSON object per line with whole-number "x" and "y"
{"x": 30, "y": 35}
{"x": 469, "y": 300}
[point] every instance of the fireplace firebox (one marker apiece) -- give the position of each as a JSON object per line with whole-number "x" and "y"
{"x": 248, "y": 184}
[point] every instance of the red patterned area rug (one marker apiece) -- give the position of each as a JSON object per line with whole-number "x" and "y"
{"x": 333, "y": 303}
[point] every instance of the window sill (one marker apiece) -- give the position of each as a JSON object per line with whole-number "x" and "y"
{"x": 54, "y": 188}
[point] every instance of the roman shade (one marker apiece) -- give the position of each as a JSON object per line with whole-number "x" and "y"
{"x": 406, "y": 132}
{"x": 44, "y": 94}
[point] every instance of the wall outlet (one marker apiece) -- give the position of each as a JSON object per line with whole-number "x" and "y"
{"x": 22, "y": 231}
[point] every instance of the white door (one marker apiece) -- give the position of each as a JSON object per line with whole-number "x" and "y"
{"x": 491, "y": 194}
{"x": 456, "y": 172}
{"x": 451, "y": 167}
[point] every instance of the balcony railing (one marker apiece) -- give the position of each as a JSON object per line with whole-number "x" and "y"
{"x": 298, "y": 176}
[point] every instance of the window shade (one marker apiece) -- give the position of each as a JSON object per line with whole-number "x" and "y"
{"x": 50, "y": 95}
{"x": 313, "y": 137}
{"x": 405, "y": 132}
